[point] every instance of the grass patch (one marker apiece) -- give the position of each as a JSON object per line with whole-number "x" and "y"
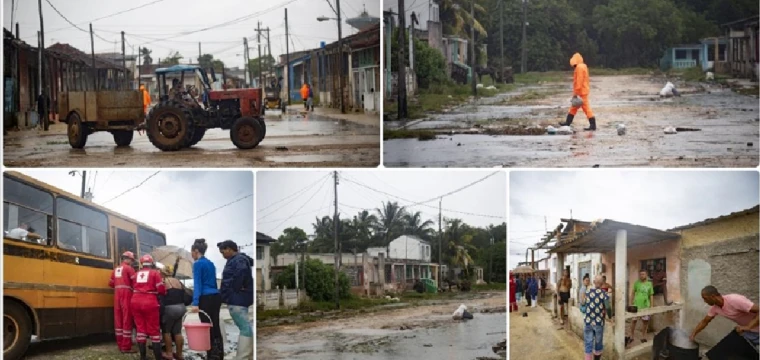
{"x": 692, "y": 74}
{"x": 421, "y": 135}
{"x": 750, "y": 91}
{"x": 441, "y": 96}
{"x": 537, "y": 77}
{"x": 263, "y": 315}
{"x": 624, "y": 71}
{"x": 490, "y": 287}
{"x": 533, "y": 95}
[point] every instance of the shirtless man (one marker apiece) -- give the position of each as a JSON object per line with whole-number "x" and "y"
{"x": 563, "y": 288}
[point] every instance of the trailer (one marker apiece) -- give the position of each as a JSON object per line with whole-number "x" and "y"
{"x": 119, "y": 112}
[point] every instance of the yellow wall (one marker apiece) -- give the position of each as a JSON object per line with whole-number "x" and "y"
{"x": 744, "y": 225}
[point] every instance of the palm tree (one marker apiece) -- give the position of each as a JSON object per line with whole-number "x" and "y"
{"x": 455, "y": 15}
{"x": 413, "y": 225}
{"x": 390, "y": 222}
{"x": 145, "y": 54}
{"x": 461, "y": 252}
{"x": 362, "y": 224}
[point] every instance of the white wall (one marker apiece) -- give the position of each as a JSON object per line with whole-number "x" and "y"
{"x": 573, "y": 260}
{"x": 410, "y": 248}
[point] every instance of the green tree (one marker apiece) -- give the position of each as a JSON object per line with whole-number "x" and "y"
{"x": 414, "y": 225}
{"x": 363, "y": 229}
{"x": 267, "y": 62}
{"x": 145, "y": 54}
{"x": 173, "y": 59}
{"x": 287, "y": 242}
{"x": 320, "y": 280}
{"x": 390, "y": 222}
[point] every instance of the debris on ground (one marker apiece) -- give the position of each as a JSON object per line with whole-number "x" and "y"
{"x": 680, "y": 129}
{"x": 501, "y": 349}
{"x": 461, "y": 313}
{"x": 670, "y": 130}
{"x": 669, "y": 90}
{"x": 621, "y": 129}
{"x": 565, "y": 130}
{"x": 491, "y": 87}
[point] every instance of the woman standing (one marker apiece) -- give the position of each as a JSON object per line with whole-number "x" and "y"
{"x": 174, "y": 311}
{"x": 206, "y": 297}
{"x": 512, "y": 293}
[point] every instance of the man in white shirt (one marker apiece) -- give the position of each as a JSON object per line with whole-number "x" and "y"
{"x": 22, "y": 232}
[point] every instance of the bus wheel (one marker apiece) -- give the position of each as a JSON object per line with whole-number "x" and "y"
{"x": 17, "y": 330}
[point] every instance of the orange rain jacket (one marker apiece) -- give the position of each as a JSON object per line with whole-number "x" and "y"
{"x": 146, "y": 98}
{"x": 580, "y": 76}
{"x": 304, "y": 92}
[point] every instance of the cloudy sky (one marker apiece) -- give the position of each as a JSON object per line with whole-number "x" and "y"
{"x": 169, "y": 198}
{"x": 657, "y": 199}
{"x": 229, "y": 21}
{"x": 275, "y": 214}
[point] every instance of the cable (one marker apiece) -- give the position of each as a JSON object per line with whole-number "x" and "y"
{"x": 301, "y": 207}
{"x": 107, "y": 16}
{"x": 74, "y": 25}
{"x": 132, "y": 188}
{"x": 207, "y": 212}
{"x": 258, "y": 223}
{"x": 291, "y": 195}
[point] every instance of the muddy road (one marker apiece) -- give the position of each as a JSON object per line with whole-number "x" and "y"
{"x": 537, "y": 336}
{"x": 425, "y": 331}
{"x": 729, "y": 133}
{"x": 292, "y": 140}
{"x": 103, "y": 347}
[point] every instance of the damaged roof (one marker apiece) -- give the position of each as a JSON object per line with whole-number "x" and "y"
{"x": 264, "y": 238}
{"x": 70, "y": 53}
{"x": 750, "y": 211}
{"x": 600, "y": 237}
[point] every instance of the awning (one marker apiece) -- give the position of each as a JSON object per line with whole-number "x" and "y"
{"x": 600, "y": 238}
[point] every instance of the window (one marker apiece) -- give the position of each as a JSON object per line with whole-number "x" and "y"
{"x": 680, "y": 54}
{"x": 82, "y": 229}
{"x": 149, "y": 240}
{"x": 657, "y": 271}
{"x": 26, "y": 207}
{"x": 259, "y": 253}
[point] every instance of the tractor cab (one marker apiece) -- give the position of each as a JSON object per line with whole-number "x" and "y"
{"x": 192, "y": 79}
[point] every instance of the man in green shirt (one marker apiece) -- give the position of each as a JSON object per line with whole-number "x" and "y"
{"x": 642, "y": 297}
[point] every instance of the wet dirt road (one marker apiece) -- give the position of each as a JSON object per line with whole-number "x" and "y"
{"x": 292, "y": 140}
{"x": 432, "y": 334}
{"x": 728, "y": 121}
{"x": 538, "y": 337}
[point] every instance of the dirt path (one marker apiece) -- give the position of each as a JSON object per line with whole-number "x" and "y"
{"x": 729, "y": 135}
{"x": 409, "y": 331}
{"x": 538, "y": 337}
{"x": 313, "y": 140}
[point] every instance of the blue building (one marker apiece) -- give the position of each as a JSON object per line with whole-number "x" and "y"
{"x": 690, "y": 55}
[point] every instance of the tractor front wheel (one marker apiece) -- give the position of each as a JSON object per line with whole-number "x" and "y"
{"x": 123, "y": 137}
{"x": 77, "y": 131}
{"x": 246, "y": 133}
{"x": 263, "y": 128}
{"x": 170, "y": 126}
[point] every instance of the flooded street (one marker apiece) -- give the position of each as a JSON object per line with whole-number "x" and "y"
{"x": 292, "y": 140}
{"x": 472, "y": 135}
{"x": 426, "y": 331}
{"x": 103, "y": 347}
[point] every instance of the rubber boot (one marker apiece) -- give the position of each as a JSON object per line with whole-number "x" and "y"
{"x": 598, "y": 357}
{"x": 245, "y": 348}
{"x": 568, "y": 121}
{"x": 157, "y": 351}
{"x": 143, "y": 350}
{"x": 592, "y": 126}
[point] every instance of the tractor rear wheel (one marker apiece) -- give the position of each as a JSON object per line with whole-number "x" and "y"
{"x": 197, "y": 136}
{"x": 77, "y": 131}
{"x": 170, "y": 126}
{"x": 246, "y": 133}
{"x": 123, "y": 137}
{"x": 263, "y": 128}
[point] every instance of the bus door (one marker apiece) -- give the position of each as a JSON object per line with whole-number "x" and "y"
{"x": 125, "y": 241}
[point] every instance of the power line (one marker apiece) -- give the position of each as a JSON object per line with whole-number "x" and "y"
{"x": 301, "y": 207}
{"x": 107, "y": 16}
{"x": 290, "y": 196}
{"x": 132, "y": 188}
{"x": 74, "y": 25}
{"x": 207, "y": 212}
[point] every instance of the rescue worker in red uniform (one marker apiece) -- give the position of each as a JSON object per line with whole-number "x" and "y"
{"x": 148, "y": 285}
{"x": 122, "y": 281}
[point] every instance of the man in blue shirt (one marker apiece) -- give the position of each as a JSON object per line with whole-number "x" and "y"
{"x": 237, "y": 293}
{"x": 206, "y": 297}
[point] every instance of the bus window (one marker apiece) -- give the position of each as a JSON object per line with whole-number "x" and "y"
{"x": 26, "y": 212}
{"x": 149, "y": 240}
{"x": 82, "y": 229}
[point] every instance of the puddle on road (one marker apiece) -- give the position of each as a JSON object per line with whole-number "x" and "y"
{"x": 311, "y": 124}
{"x": 455, "y": 340}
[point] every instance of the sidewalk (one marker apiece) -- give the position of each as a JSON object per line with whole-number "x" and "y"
{"x": 334, "y": 114}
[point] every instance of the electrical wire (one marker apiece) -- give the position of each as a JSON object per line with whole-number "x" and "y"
{"x": 301, "y": 207}
{"x": 207, "y": 212}
{"x": 74, "y": 25}
{"x": 292, "y": 195}
{"x": 132, "y": 188}
{"x": 107, "y": 16}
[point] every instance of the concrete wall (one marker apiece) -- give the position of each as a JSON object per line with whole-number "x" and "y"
{"x": 407, "y": 247}
{"x": 723, "y": 254}
{"x": 263, "y": 265}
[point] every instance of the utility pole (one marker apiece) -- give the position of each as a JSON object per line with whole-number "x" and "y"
{"x": 472, "y": 49}
{"x": 337, "y": 253}
{"x": 440, "y": 243}
{"x": 340, "y": 61}
{"x": 245, "y": 60}
{"x": 41, "y": 50}
{"x": 524, "y": 44}
{"x": 258, "y": 39}
{"x": 287, "y": 56}
{"x": 402, "y": 111}
{"x": 199, "y": 53}
{"x": 501, "y": 32}
{"x": 94, "y": 68}
{"x": 124, "y": 59}
{"x": 269, "y": 53}
{"x": 84, "y": 180}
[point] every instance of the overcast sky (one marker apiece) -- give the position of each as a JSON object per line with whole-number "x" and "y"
{"x": 485, "y": 198}
{"x": 174, "y": 196}
{"x": 170, "y": 18}
{"x": 657, "y": 199}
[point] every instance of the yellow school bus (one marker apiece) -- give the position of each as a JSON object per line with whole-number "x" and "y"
{"x": 58, "y": 254}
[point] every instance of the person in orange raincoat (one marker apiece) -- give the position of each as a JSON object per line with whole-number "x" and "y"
{"x": 581, "y": 90}
{"x": 305, "y": 95}
{"x": 146, "y": 98}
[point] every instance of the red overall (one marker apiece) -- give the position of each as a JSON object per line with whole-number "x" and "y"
{"x": 122, "y": 279}
{"x": 148, "y": 285}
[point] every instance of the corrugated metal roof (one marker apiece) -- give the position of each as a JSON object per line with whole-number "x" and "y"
{"x": 754, "y": 210}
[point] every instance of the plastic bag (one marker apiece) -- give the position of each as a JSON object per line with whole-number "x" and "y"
{"x": 576, "y": 102}
{"x": 459, "y": 313}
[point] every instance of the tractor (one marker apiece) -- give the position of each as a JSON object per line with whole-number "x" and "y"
{"x": 180, "y": 119}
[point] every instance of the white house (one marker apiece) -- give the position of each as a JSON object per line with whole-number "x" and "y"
{"x": 263, "y": 262}
{"x": 405, "y": 247}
